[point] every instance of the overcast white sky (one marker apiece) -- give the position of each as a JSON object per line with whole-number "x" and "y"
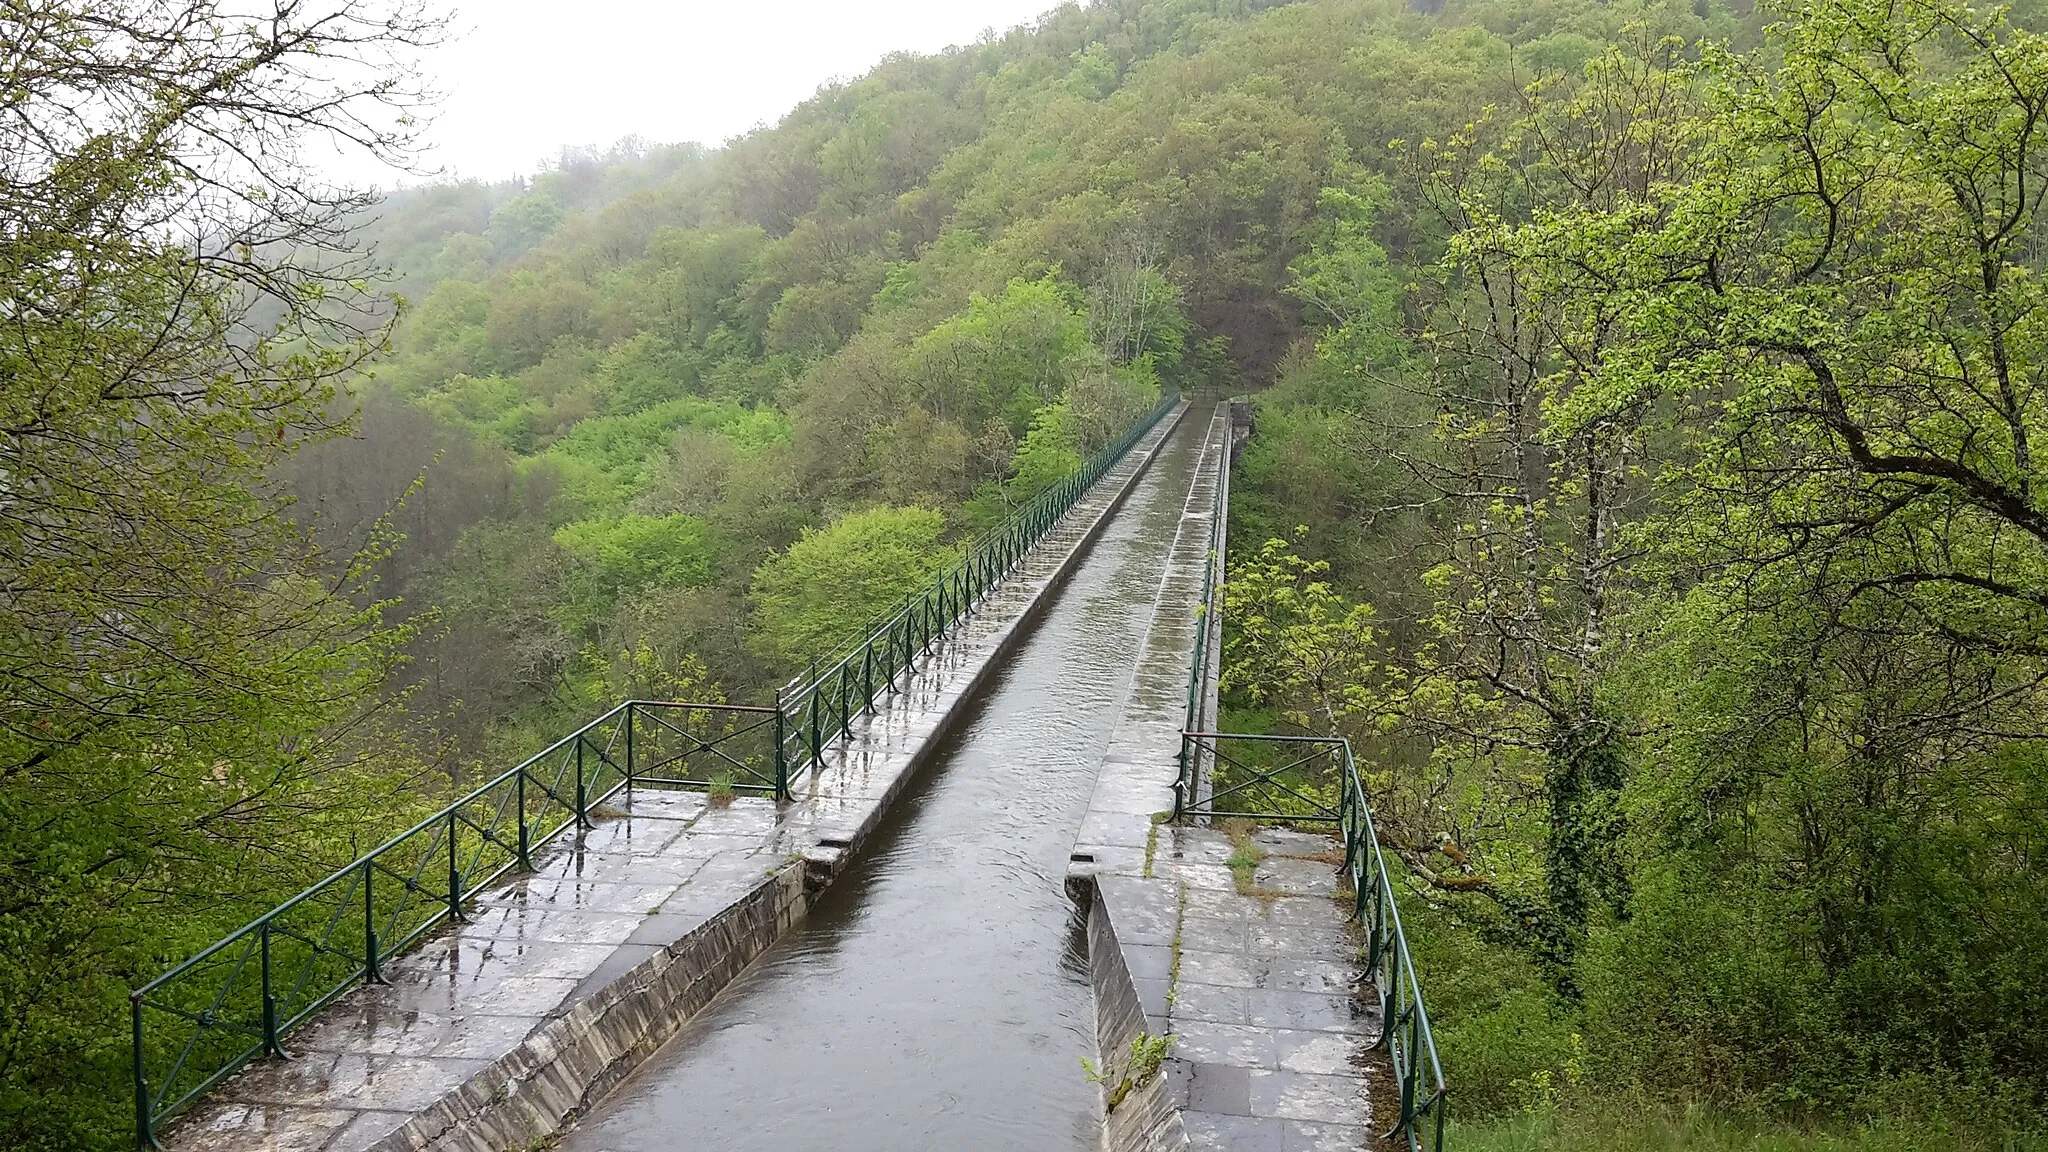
{"x": 527, "y": 77}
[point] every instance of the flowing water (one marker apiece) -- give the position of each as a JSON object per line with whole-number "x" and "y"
{"x": 937, "y": 995}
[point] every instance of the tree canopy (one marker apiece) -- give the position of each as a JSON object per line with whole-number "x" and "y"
{"x": 1644, "y": 479}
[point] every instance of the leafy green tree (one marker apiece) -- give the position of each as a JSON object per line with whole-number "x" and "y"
{"x": 1843, "y": 288}
{"x": 617, "y": 556}
{"x": 647, "y": 672}
{"x": 463, "y": 256}
{"x": 831, "y": 584}
{"x": 1004, "y": 357}
{"x": 522, "y": 223}
{"x": 1048, "y": 453}
{"x": 1293, "y": 644}
{"x": 193, "y": 708}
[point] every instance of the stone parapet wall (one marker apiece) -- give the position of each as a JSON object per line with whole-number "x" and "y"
{"x": 571, "y": 1061}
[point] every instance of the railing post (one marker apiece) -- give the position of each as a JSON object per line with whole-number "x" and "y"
{"x": 271, "y": 1045}
{"x": 845, "y": 713}
{"x": 373, "y": 972}
{"x": 582, "y": 795}
{"x": 629, "y": 752}
{"x": 1390, "y": 1000}
{"x": 144, "y": 1136}
{"x": 454, "y": 872}
{"x": 817, "y": 737}
{"x": 1411, "y": 1077}
{"x": 867, "y": 674}
{"x": 1180, "y": 780}
{"x": 781, "y": 754}
{"x": 525, "y": 834}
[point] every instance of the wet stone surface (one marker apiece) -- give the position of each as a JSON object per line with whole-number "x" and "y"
{"x": 1272, "y": 1045}
{"x": 1271, "y": 1041}
{"x": 602, "y": 908}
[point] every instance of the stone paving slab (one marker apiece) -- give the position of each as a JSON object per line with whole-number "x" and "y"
{"x": 1273, "y": 1048}
{"x": 496, "y": 1031}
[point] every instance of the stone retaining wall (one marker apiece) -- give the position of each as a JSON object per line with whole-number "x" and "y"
{"x": 570, "y": 1062}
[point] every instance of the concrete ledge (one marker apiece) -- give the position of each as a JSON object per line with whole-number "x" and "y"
{"x": 825, "y": 863}
{"x": 1255, "y": 978}
{"x": 581, "y": 1053}
{"x": 1145, "y": 1118}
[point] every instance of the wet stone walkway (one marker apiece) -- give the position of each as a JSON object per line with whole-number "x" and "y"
{"x": 495, "y": 1032}
{"x": 618, "y": 897}
{"x": 1260, "y": 991}
{"x": 1259, "y": 986}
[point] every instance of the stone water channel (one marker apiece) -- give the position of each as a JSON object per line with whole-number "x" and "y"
{"x": 937, "y": 996}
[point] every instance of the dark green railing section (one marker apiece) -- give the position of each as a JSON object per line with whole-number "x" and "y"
{"x": 1211, "y": 608}
{"x": 819, "y": 707}
{"x": 1195, "y": 760}
{"x": 1314, "y": 780}
{"x": 1298, "y": 779}
{"x": 1404, "y": 1022}
{"x": 240, "y": 998}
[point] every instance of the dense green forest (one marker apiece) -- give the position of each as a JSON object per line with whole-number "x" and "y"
{"x": 1642, "y": 479}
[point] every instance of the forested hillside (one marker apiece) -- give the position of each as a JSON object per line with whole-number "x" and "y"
{"x": 1643, "y": 480}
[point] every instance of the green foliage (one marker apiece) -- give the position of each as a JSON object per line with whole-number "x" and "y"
{"x": 1698, "y": 1130}
{"x": 1048, "y": 453}
{"x": 647, "y": 672}
{"x": 830, "y": 584}
{"x": 1147, "y": 1054}
{"x": 1674, "y": 423}
{"x": 1005, "y": 357}
{"x": 1347, "y": 282}
{"x": 195, "y": 724}
{"x": 622, "y": 555}
{"x": 1291, "y": 642}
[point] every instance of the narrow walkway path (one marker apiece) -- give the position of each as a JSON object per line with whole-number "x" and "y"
{"x": 1260, "y": 984}
{"x": 938, "y": 996}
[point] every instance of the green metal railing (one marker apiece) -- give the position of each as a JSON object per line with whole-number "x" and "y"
{"x": 1211, "y": 607}
{"x": 1298, "y": 779}
{"x": 819, "y": 707}
{"x": 1195, "y": 760}
{"x": 1315, "y": 780}
{"x": 1404, "y": 1022}
{"x": 239, "y": 999}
